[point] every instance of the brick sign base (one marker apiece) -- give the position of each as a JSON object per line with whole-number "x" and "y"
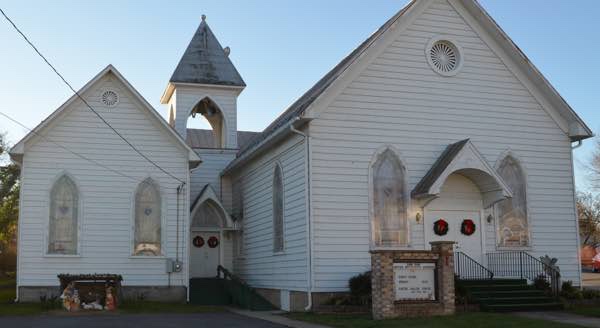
{"x": 382, "y": 265}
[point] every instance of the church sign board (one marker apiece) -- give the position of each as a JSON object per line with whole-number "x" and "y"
{"x": 414, "y": 281}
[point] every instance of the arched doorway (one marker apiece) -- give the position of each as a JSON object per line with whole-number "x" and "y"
{"x": 208, "y": 220}
{"x": 459, "y": 200}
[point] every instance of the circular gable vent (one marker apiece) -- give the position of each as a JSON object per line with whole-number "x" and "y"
{"x": 110, "y": 98}
{"x": 444, "y": 57}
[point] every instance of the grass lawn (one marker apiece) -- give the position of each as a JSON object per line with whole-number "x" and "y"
{"x": 587, "y": 310}
{"x": 7, "y": 296}
{"x": 470, "y": 320}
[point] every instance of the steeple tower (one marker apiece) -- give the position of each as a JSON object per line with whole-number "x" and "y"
{"x": 205, "y": 82}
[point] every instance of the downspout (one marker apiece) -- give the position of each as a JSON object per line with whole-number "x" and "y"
{"x": 308, "y": 215}
{"x": 579, "y": 143}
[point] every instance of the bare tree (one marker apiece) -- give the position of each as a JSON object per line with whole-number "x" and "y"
{"x": 588, "y": 212}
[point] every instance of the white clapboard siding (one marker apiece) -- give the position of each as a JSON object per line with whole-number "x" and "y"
{"x": 185, "y": 98}
{"x": 209, "y": 172}
{"x": 258, "y": 265}
{"x": 399, "y": 100}
{"x": 106, "y": 214}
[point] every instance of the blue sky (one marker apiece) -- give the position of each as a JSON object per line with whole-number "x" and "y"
{"x": 280, "y": 47}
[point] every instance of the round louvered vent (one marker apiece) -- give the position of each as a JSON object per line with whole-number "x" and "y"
{"x": 110, "y": 98}
{"x": 444, "y": 57}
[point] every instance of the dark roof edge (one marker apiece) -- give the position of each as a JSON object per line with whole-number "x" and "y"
{"x": 438, "y": 167}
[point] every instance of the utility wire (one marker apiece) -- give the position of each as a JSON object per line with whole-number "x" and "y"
{"x": 84, "y": 101}
{"x": 69, "y": 150}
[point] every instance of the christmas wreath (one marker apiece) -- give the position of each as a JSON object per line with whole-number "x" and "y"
{"x": 440, "y": 227}
{"x": 213, "y": 242}
{"x": 198, "y": 241}
{"x": 467, "y": 227}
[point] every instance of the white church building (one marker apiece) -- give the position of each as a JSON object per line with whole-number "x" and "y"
{"x": 437, "y": 117}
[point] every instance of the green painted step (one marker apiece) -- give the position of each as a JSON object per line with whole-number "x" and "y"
{"x": 498, "y": 288}
{"x": 554, "y": 306}
{"x": 209, "y": 291}
{"x": 506, "y": 293}
{"x": 517, "y": 300}
{"x": 487, "y": 282}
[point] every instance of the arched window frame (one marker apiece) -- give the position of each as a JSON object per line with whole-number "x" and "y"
{"x": 163, "y": 206}
{"x": 218, "y": 211}
{"x": 278, "y": 168}
{"x": 224, "y": 129}
{"x": 407, "y": 200}
{"x": 46, "y": 245}
{"x": 520, "y": 163}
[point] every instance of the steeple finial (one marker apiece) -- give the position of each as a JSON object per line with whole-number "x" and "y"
{"x": 203, "y": 17}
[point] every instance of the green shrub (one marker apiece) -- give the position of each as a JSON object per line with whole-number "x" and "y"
{"x": 569, "y": 292}
{"x": 360, "y": 292}
{"x": 590, "y": 294}
{"x": 360, "y": 285}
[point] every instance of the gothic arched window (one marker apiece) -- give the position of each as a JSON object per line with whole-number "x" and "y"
{"x": 64, "y": 209}
{"x": 390, "y": 201}
{"x": 208, "y": 215}
{"x": 278, "y": 234}
{"x": 513, "y": 227}
{"x": 147, "y": 234}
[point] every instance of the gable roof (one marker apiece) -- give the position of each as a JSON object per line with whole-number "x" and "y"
{"x": 578, "y": 130}
{"x": 205, "y": 61}
{"x": 19, "y": 147}
{"x": 438, "y": 167}
{"x": 463, "y": 158}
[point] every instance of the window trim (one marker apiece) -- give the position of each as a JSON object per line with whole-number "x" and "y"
{"x": 499, "y": 160}
{"x": 80, "y": 211}
{"x": 163, "y": 222}
{"x": 408, "y": 208}
{"x": 283, "y": 243}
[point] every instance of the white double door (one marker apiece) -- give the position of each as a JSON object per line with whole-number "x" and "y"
{"x": 204, "y": 254}
{"x": 469, "y": 244}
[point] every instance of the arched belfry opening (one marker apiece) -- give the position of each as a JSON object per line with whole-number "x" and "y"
{"x": 207, "y": 114}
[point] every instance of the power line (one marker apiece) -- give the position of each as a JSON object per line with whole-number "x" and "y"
{"x": 84, "y": 101}
{"x": 67, "y": 149}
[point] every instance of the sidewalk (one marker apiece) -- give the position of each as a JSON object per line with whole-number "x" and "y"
{"x": 562, "y": 317}
{"x": 276, "y": 317}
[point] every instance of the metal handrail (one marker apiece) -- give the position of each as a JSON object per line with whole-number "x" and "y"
{"x": 520, "y": 264}
{"x": 467, "y": 268}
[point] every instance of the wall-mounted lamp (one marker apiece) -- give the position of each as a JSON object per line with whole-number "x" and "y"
{"x": 490, "y": 218}
{"x": 418, "y": 217}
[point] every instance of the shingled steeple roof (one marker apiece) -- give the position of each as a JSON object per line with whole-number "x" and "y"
{"x": 206, "y": 62}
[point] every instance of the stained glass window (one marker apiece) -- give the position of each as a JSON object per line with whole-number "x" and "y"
{"x": 513, "y": 227}
{"x": 208, "y": 215}
{"x": 147, "y": 239}
{"x": 63, "y": 228}
{"x": 278, "y": 210}
{"x": 390, "y": 199}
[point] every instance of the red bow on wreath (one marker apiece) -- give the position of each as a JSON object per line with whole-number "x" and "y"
{"x": 198, "y": 241}
{"x": 213, "y": 242}
{"x": 440, "y": 227}
{"x": 467, "y": 227}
